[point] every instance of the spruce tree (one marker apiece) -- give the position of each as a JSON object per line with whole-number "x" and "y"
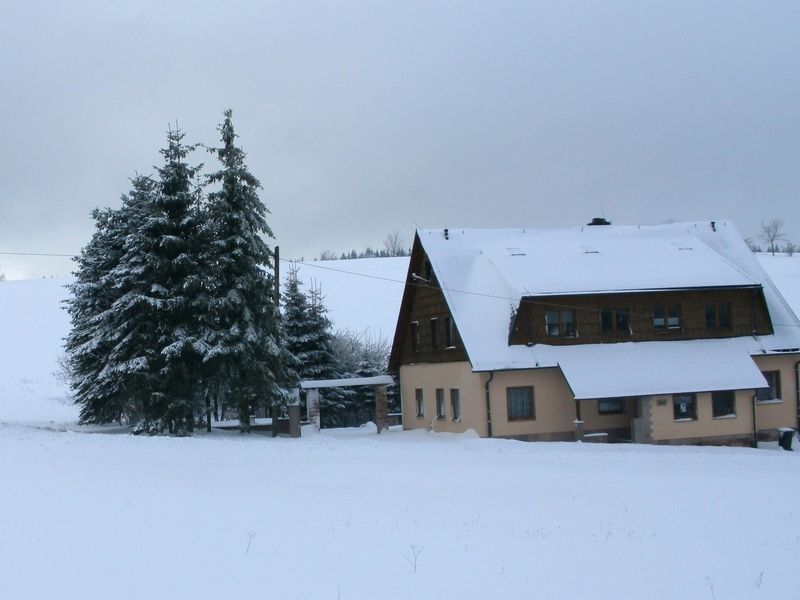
{"x": 245, "y": 357}
{"x": 159, "y": 278}
{"x": 96, "y": 374}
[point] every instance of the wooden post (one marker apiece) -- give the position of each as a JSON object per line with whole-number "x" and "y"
{"x": 381, "y": 408}
{"x": 294, "y": 421}
{"x": 277, "y": 276}
{"x": 579, "y": 430}
{"x": 312, "y": 404}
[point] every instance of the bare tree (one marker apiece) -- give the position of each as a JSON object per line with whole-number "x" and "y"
{"x": 772, "y": 232}
{"x": 394, "y": 244}
{"x": 328, "y": 255}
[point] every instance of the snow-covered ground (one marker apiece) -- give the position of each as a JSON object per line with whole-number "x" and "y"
{"x": 85, "y": 513}
{"x": 350, "y": 514}
{"x": 784, "y": 270}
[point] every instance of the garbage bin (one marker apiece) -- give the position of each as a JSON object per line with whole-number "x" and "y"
{"x": 785, "y": 437}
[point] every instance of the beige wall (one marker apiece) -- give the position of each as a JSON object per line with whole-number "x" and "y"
{"x": 555, "y": 407}
{"x": 769, "y": 415}
{"x": 446, "y": 376}
{"x": 553, "y": 401}
{"x": 779, "y": 414}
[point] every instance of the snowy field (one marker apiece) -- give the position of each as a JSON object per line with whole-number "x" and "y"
{"x": 350, "y": 514}
{"x": 90, "y": 513}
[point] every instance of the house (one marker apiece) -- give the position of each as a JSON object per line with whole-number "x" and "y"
{"x": 656, "y": 334}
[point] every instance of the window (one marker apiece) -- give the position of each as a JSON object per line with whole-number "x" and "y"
{"x": 415, "y": 336}
{"x": 449, "y": 332}
{"x": 439, "y": 403}
{"x": 723, "y": 404}
{"x": 520, "y": 403}
{"x": 560, "y": 323}
{"x": 455, "y": 404}
{"x": 773, "y": 392}
{"x": 718, "y": 316}
{"x": 435, "y": 333}
{"x": 674, "y": 316}
{"x": 684, "y": 407}
{"x": 666, "y": 316}
{"x": 610, "y": 406}
{"x": 659, "y": 322}
{"x": 617, "y": 319}
{"x": 420, "y": 403}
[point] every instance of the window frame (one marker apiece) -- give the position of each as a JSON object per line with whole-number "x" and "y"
{"x": 620, "y": 402}
{"x": 449, "y": 332}
{"x": 719, "y": 315}
{"x": 440, "y": 405}
{"x": 514, "y": 402}
{"x": 665, "y": 314}
{"x": 675, "y": 404}
{"x": 455, "y": 403}
{"x": 726, "y": 396}
{"x": 561, "y": 326}
{"x": 419, "y": 399}
{"x": 615, "y": 320}
{"x": 415, "y": 346}
{"x": 773, "y": 378}
{"x": 435, "y": 333}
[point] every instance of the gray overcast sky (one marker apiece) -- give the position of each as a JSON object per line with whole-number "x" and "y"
{"x": 364, "y": 117}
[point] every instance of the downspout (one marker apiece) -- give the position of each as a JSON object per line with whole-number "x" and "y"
{"x": 489, "y": 405}
{"x": 755, "y": 430}
{"x": 797, "y": 390}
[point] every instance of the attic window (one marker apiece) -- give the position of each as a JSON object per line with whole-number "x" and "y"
{"x": 587, "y": 249}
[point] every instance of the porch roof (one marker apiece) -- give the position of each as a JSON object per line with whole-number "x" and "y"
{"x": 651, "y": 368}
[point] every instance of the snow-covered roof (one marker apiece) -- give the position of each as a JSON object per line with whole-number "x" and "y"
{"x": 484, "y": 273}
{"x": 638, "y": 369}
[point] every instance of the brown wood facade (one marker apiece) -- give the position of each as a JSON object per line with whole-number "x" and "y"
{"x": 747, "y": 315}
{"x": 424, "y": 305}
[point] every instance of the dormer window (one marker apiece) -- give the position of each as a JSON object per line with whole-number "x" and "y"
{"x": 666, "y": 316}
{"x": 615, "y": 320}
{"x": 718, "y": 316}
{"x": 560, "y": 323}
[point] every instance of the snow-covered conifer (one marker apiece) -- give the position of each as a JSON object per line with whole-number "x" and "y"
{"x": 242, "y": 329}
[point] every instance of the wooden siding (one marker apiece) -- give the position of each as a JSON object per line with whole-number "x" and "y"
{"x": 422, "y": 302}
{"x": 529, "y": 325}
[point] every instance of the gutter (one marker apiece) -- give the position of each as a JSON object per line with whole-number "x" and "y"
{"x": 489, "y": 405}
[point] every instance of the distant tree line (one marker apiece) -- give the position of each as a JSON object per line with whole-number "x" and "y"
{"x": 393, "y": 245}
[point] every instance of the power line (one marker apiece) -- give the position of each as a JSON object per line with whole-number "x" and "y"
{"x": 315, "y": 265}
{"x": 39, "y": 254}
